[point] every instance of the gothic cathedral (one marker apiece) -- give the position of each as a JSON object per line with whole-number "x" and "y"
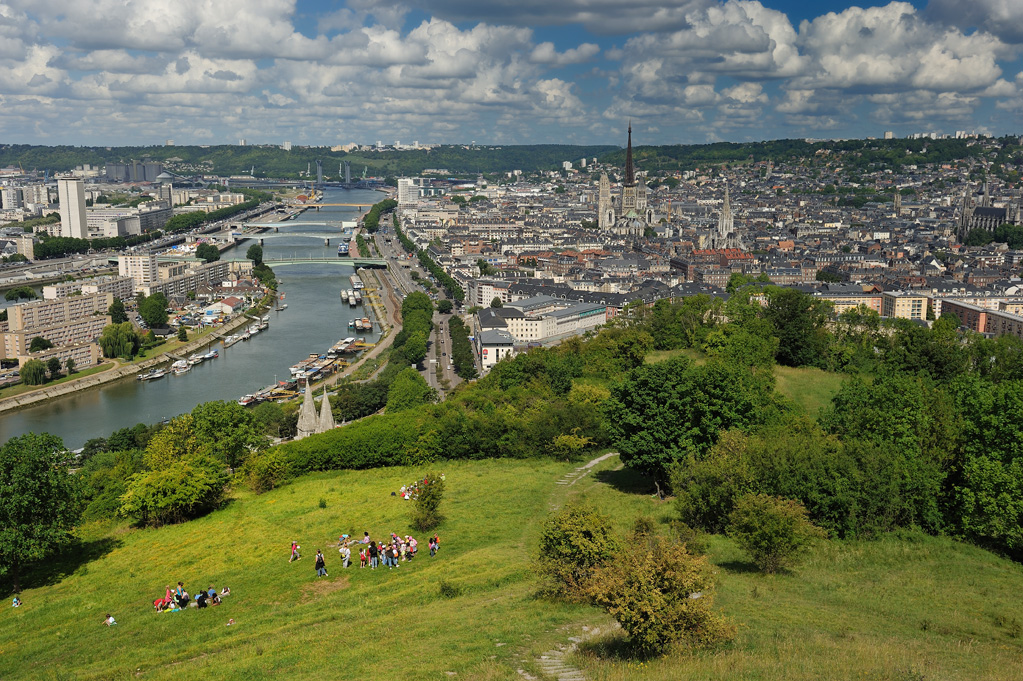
{"x": 632, "y": 215}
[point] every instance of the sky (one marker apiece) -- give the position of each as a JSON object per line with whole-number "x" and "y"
{"x": 326, "y": 72}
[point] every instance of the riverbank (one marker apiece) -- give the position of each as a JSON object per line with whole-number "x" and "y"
{"x": 123, "y": 371}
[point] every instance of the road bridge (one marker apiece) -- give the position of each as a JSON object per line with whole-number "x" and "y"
{"x": 355, "y": 261}
{"x": 288, "y": 223}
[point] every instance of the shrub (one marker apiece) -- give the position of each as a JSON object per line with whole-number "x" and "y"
{"x": 771, "y": 530}
{"x": 266, "y": 471}
{"x": 574, "y": 542}
{"x": 179, "y": 491}
{"x": 661, "y": 596}
{"x": 425, "y": 513}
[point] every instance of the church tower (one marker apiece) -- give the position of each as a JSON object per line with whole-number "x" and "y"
{"x": 605, "y": 209}
{"x": 725, "y": 220}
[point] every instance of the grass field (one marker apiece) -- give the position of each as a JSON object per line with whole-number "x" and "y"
{"x": 811, "y": 389}
{"x": 905, "y": 608}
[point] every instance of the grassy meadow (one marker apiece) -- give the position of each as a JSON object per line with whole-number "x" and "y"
{"x": 905, "y": 608}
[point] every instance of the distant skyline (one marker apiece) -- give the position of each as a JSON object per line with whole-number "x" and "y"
{"x": 324, "y": 72}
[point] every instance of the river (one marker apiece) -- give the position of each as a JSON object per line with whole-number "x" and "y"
{"x": 315, "y": 319}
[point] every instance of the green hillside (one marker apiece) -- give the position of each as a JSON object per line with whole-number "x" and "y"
{"x": 905, "y": 607}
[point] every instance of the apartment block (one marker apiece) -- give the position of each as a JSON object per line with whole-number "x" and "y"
{"x": 73, "y": 221}
{"x": 209, "y": 274}
{"x": 141, "y": 268}
{"x": 50, "y": 313}
{"x": 83, "y": 354}
{"x": 81, "y": 330}
{"x": 903, "y": 305}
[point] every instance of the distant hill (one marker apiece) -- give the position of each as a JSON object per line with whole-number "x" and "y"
{"x": 271, "y": 161}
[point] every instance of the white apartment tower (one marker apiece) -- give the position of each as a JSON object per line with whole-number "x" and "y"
{"x": 141, "y": 268}
{"x": 71, "y": 194}
{"x": 408, "y": 193}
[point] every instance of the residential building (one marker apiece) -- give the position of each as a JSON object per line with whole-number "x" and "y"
{"x": 46, "y": 313}
{"x": 141, "y": 268}
{"x": 73, "y": 221}
{"x": 191, "y": 280}
{"x": 903, "y": 305}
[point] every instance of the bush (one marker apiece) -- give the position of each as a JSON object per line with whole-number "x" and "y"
{"x": 771, "y": 530}
{"x": 425, "y": 513}
{"x": 661, "y": 596}
{"x": 573, "y": 543}
{"x": 181, "y": 490}
{"x": 264, "y": 472}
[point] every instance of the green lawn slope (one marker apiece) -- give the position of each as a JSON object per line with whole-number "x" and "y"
{"x": 904, "y": 608}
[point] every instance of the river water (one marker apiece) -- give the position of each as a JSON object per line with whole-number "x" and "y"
{"x": 315, "y": 319}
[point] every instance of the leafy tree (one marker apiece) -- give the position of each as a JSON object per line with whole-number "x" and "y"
{"x": 225, "y": 431}
{"x": 267, "y": 470}
{"x": 663, "y": 413}
{"x": 425, "y": 512}
{"x": 120, "y": 340}
{"x": 573, "y": 543}
{"x": 409, "y": 390}
{"x": 33, "y": 372}
{"x": 69, "y": 364}
{"x": 153, "y": 310}
{"x": 799, "y": 322}
{"x": 773, "y": 531}
{"x": 178, "y": 491}
{"x": 444, "y": 306}
{"x": 255, "y": 254}
{"x": 182, "y": 334}
{"x": 661, "y": 595}
{"x": 117, "y": 313}
{"x": 53, "y": 366}
{"x": 207, "y": 252}
{"x": 39, "y": 343}
{"x": 829, "y": 277}
{"x": 21, "y": 292}
{"x": 40, "y": 504}
{"x": 496, "y": 302}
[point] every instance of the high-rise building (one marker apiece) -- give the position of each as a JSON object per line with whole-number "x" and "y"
{"x": 142, "y": 268}
{"x": 407, "y": 192}
{"x": 11, "y": 197}
{"x": 286, "y": 146}
{"x": 348, "y": 172}
{"x": 889, "y": 135}
{"x": 241, "y": 142}
{"x": 71, "y": 194}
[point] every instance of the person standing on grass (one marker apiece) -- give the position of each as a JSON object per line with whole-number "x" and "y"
{"x": 346, "y": 555}
{"x": 294, "y": 552}
{"x": 374, "y": 555}
{"x": 321, "y": 568}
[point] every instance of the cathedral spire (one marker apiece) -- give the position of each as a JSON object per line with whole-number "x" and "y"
{"x": 630, "y": 173}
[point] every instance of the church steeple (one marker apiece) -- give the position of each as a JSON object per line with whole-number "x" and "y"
{"x": 630, "y": 173}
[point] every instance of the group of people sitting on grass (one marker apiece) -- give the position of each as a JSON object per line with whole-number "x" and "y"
{"x": 178, "y": 599}
{"x": 410, "y": 492}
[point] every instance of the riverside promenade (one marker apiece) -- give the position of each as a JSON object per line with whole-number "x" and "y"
{"x": 119, "y": 372}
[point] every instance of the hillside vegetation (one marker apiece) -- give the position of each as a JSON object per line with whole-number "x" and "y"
{"x": 887, "y": 441}
{"x": 905, "y": 608}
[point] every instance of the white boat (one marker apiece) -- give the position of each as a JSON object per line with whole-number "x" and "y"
{"x": 155, "y": 374}
{"x": 212, "y": 354}
{"x": 181, "y": 366}
{"x": 196, "y": 359}
{"x": 254, "y": 329}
